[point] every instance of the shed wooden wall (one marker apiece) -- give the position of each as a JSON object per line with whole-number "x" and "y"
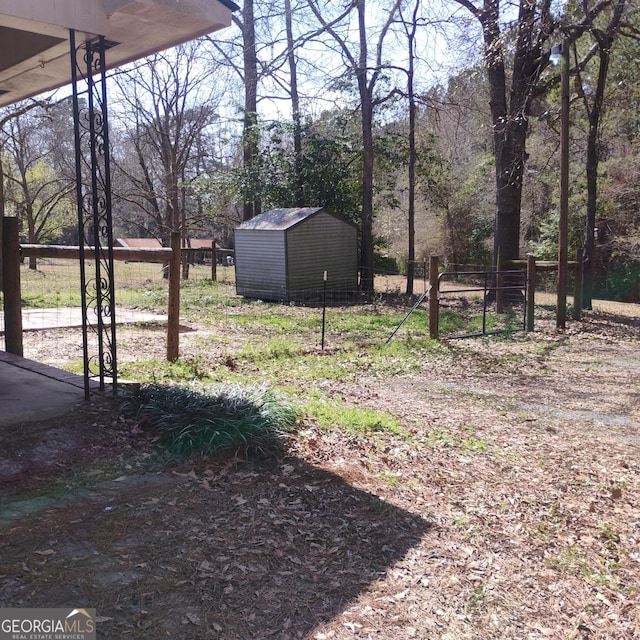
{"x": 321, "y": 243}
{"x": 261, "y": 270}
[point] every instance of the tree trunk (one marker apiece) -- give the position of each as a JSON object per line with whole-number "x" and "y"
{"x": 591, "y": 169}
{"x": 184, "y": 235}
{"x": 453, "y": 237}
{"x": 604, "y": 41}
{"x": 509, "y": 128}
{"x": 508, "y": 196}
{"x": 295, "y": 108}
{"x": 411, "y": 213}
{"x": 510, "y": 108}
{"x": 27, "y": 211}
{"x": 366, "y": 76}
{"x": 366, "y": 247}
{"x": 250, "y": 150}
{"x": 33, "y": 262}
{"x": 366, "y": 108}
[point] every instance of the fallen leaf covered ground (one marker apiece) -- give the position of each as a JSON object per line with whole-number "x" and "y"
{"x": 505, "y": 506}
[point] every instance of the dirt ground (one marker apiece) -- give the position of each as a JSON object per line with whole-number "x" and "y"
{"x": 512, "y": 511}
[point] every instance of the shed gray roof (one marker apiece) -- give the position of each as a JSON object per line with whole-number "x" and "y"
{"x": 280, "y": 219}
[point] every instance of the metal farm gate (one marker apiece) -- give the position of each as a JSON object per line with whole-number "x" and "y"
{"x": 478, "y": 303}
{"x": 465, "y": 304}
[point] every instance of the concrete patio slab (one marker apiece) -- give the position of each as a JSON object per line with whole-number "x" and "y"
{"x": 33, "y": 391}
{"x": 38, "y": 319}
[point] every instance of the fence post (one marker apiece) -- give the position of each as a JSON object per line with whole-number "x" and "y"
{"x": 577, "y": 292}
{"x": 214, "y": 262}
{"x": 531, "y": 290}
{"x": 433, "y": 297}
{"x": 11, "y": 281}
{"x": 173, "y": 312}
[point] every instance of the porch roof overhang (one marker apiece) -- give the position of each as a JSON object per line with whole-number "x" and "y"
{"x": 34, "y": 35}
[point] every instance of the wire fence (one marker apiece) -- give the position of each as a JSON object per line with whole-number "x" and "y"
{"x": 51, "y": 295}
{"x": 475, "y": 303}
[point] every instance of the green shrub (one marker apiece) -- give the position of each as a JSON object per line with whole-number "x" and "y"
{"x": 620, "y": 280}
{"x": 223, "y": 419}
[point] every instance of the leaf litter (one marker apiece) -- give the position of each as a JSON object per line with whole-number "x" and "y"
{"x": 507, "y": 508}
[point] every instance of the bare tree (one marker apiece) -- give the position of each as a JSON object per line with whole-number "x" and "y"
{"x": 510, "y": 98}
{"x": 168, "y": 104}
{"x": 367, "y": 69}
{"x": 7, "y": 116}
{"x": 250, "y": 139}
{"x": 242, "y": 53}
{"x": 37, "y": 187}
{"x": 593, "y": 100}
{"x": 295, "y": 103}
{"x": 410, "y": 28}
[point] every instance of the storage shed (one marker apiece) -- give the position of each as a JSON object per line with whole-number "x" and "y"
{"x": 282, "y": 255}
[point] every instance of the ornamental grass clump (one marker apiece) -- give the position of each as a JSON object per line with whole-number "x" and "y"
{"x": 216, "y": 420}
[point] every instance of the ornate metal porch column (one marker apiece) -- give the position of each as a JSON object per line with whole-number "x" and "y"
{"x": 95, "y": 230}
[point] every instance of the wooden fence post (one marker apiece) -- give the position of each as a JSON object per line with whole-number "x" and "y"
{"x": 214, "y": 262}
{"x": 433, "y": 297}
{"x": 173, "y": 312}
{"x": 12, "y": 289}
{"x": 531, "y": 290}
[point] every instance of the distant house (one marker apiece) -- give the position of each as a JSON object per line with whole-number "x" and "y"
{"x": 283, "y": 255}
{"x": 199, "y": 248}
{"x": 145, "y": 243}
{"x": 138, "y": 243}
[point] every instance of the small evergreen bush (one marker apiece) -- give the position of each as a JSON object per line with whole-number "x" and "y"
{"x": 216, "y": 420}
